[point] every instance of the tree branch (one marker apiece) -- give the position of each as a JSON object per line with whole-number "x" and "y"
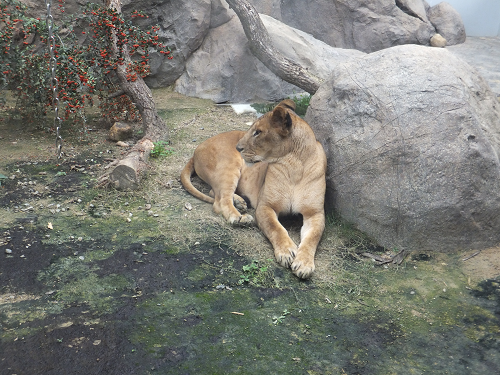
{"x": 262, "y": 47}
{"x": 126, "y": 173}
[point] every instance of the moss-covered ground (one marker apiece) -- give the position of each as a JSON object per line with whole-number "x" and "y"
{"x": 106, "y": 282}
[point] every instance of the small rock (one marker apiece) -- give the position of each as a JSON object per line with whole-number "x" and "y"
{"x": 438, "y": 41}
{"x": 120, "y": 131}
{"x": 147, "y": 206}
{"x": 188, "y": 206}
{"x": 122, "y": 144}
{"x": 8, "y": 251}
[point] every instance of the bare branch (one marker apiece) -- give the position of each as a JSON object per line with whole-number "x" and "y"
{"x": 262, "y": 47}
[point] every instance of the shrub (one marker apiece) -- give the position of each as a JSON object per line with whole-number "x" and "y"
{"x": 86, "y": 63}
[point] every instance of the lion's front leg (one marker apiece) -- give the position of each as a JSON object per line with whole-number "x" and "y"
{"x": 310, "y": 234}
{"x": 284, "y": 248}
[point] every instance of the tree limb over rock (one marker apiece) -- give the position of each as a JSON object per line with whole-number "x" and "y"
{"x": 262, "y": 47}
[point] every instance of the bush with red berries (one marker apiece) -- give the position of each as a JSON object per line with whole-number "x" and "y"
{"x": 86, "y": 63}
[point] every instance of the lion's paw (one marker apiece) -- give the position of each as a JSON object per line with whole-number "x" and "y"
{"x": 302, "y": 267}
{"x": 241, "y": 220}
{"x": 285, "y": 255}
{"x": 239, "y": 203}
{"x": 246, "y": 219}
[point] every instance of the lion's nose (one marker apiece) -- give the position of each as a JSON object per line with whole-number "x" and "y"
{"x": 239, "y": 148}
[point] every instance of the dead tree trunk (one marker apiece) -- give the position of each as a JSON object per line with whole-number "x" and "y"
{"x": 262, "y": 47}
{"x": 125, "y": 174}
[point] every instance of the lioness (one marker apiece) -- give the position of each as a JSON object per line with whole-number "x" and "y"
{"x": 287, "y": 176}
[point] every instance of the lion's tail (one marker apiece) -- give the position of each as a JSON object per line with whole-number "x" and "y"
{"x": 186, "y": 174}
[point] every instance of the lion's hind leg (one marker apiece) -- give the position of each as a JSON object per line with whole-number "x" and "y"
{"x": 225, "y": 198}
{"x": 238, "y": 202}
{"x": 224, "y": 205}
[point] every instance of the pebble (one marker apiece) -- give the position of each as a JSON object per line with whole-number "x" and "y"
{"x": 8, "y": 251}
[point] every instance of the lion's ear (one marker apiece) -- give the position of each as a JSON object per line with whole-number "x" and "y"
{"x": 281, "y": 120}
{"x": 288, "y": 103}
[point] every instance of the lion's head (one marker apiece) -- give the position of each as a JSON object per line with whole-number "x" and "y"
{"x": 268, "y": 138}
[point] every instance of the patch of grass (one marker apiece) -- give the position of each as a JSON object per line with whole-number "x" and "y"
{"x": 161, "y": 149}
{"x": 301, "y": 103}
{"x": 263, "y": 107}
{"x": 279, "y": 319}
{"x": 257, "y": 274}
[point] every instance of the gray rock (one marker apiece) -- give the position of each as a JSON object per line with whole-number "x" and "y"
{"x": 414, "y": 8}
{"x": 412, "y": 136}
{"x": 183, "y": 24}
{"x": 224, "y": 69}
{"x": 319, "y": 58}
{"x": 448, "y": 23}
{"x": 366, "y": 25}
{"x": 220, "y": 14}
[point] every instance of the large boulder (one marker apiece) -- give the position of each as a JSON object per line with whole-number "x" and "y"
{"x": 412, "y": 136}
{"x": 224, "y": 69}
{"x": 448, "y": 23}
{"x": 183, "y": 26}
{"x": 366, "y": 25}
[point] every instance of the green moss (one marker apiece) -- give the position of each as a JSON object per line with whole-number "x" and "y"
{"x": 100, "y": 293}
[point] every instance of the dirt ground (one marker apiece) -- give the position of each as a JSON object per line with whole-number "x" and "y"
{"x": 96, "y": 281}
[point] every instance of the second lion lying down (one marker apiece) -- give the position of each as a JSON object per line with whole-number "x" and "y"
{"x": 286, "y": 176}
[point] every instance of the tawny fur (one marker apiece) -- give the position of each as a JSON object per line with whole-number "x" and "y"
{"x": 287, "y": 177}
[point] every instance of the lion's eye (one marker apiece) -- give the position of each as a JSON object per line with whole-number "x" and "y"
{"x": 256, "y": 133}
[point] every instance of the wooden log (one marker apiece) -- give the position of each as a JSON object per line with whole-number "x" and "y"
{"x": 126, "y": 175}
